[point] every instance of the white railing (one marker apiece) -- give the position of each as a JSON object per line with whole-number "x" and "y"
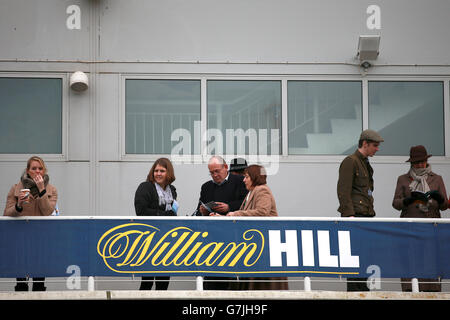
{"x": 296, "y": 284}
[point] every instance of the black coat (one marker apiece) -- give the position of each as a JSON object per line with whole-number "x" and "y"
{"x": 232, "y": 192}
{"x": 146, "y": 201}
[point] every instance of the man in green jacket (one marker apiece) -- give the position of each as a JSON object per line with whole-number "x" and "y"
{"x": 355, "y": 187}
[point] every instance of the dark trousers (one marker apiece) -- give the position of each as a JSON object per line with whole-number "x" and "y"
{"x": 357, "y": 284}
{"x": 22, "y": 284}
{"x": 161, "y": 283}
{"x": 425, "y": 285}
{"x": 222, "y": 284}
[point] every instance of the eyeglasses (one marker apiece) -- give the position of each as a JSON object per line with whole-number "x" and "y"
{"x": 214, "y": 172}
{"x": 211, "y": 173}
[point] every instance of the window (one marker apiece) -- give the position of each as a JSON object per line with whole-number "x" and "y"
{"x": 244, "y": 117}
{"x": 324, "y": 117}
{"x": 407, "y": 114}
{"x": 155, "y": 109}
{"x": 30, "y": 116}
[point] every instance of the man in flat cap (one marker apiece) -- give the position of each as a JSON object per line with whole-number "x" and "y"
{"x": 355, "y": 187}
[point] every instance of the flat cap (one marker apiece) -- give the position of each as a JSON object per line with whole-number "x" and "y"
{"x": 371, "y": 135}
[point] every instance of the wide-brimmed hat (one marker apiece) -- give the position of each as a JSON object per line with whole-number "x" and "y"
{"x": 238, "y": 164}
{"x": 418, "y": 153}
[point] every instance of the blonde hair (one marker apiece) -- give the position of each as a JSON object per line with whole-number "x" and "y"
{"x": 38, "y": 159}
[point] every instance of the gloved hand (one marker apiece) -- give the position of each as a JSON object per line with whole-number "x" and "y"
{"x": 407, "y": 201}
{"x": 175, "y": 206}
{"x": 436, "y": 196}
{"x": 169, "y": 213}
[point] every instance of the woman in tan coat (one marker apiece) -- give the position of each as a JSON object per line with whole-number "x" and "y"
{"x": 32, "y": 196}
{"x": 259, "y": 202}
{"x": 420, "y": 179}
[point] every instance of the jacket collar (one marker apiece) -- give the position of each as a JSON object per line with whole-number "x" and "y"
{"x": 360, "y": 155}
{"x": 252, "y": 195}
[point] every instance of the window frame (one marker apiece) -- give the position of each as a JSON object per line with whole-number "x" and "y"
{"x": 122, "y": 115}
{"x": 445, "y": 116}
{"x": 328, "y": 80}
{"x": 284, "y": 156}
{"x": 63, "y": 156}
{"x": 281, "y": 113}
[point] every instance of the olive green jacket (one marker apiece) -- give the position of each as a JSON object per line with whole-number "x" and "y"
{"x": 355, "y": 187}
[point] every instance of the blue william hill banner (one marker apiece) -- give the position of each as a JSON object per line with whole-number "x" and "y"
{"x": 224, "y": 247}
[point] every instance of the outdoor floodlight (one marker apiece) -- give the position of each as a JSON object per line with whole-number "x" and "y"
{"x": 368, "y": 47}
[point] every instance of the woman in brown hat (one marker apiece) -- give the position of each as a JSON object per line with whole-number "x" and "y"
{"x": 410, "y": 200}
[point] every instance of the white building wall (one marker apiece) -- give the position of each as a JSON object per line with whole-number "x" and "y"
{"x": 207, "y": 39}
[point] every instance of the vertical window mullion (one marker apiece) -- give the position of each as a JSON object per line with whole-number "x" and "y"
{"x": 203, "y": 117}
{"x": 284, "y": 118}
{"x": 365, "y": 103}
{"x": 447, "y": 118}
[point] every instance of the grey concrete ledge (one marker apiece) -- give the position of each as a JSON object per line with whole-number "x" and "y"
{"x": 221, "y": 295}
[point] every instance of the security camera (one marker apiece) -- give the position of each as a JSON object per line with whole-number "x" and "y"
{"x": 366, "y": 64}
{"x": 79, "y": 81}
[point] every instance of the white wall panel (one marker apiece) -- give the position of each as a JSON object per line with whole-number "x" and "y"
{"x": 79, "y": 129}
{"x": 109, "y": 118}
{"x": 70, "y": 179}
{"x": 267, "y": 30}
{"x": 37, "y": 30}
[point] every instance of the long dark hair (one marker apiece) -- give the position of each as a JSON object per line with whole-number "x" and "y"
{"x": 165, "y": 163}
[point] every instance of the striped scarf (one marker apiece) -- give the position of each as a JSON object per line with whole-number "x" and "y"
{"x": 419, "y": 183}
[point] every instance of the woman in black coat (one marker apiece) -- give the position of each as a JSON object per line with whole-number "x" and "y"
{"x": 157, "y": 197}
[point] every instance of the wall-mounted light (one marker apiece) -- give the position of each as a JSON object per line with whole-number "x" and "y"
{"x": 79, "y": 81}
{"x": 368, "y": 50}
{"x": 368, "y": 47}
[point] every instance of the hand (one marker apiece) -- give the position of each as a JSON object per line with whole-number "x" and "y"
{"x": 39, "y": 182}
{"x": 23, "y": 196}
{"x": 169, "y": 213}
{"x": 214, "y": 214}
{"x": 203, "y": 210}
{"x": 414, "y": 196}
{"x": 436, "y": 196}
{"x": 221, "y": 207}
{"x": 407, "y": 201}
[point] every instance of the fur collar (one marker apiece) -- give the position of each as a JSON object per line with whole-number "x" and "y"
{"x": 28, "y": 183}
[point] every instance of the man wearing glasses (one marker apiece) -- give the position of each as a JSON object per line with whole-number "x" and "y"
{"x": 225, "y": 192}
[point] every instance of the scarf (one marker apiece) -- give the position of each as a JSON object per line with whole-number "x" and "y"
{"x": 28, "y": 183}
{"x": 419, "y": 183}
{"x": 165, "y": 196}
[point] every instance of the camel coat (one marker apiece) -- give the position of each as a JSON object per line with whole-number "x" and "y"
{"x": 37, "y": 206}
{"x": 259, "y": 203}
